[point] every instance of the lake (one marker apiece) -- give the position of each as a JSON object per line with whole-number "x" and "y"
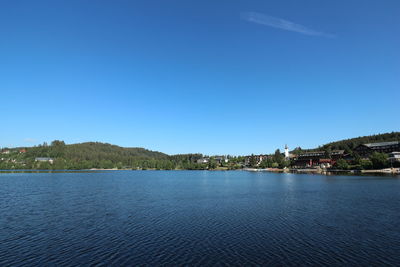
{"x": 128, "y": 218}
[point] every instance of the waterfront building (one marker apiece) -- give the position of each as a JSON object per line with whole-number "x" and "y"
{"x": 394, "y": 157}
{"x": 365, "y": 150}
{"x": 318, "y": 158}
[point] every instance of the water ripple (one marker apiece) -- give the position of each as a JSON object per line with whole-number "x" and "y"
{"x": 197, "y": 219}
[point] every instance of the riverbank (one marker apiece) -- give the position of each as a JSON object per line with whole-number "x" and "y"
{"x": 394, "y": 171}
{"x": 387, "y": 171}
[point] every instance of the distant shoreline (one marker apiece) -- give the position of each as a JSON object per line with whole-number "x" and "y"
{"x": 379, "y": 172}
{"x": 327, "y": 171}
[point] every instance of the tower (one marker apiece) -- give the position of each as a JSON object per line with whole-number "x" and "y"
{"x": 286, "y": 152}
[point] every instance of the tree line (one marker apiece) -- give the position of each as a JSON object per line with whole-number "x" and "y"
{"x": 106, "y": 156}
{"x": 98, "y": 155}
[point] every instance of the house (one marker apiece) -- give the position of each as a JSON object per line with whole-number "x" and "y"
{"x": 258, "y": 159}
{"x": 23, "y": 150}
{"x": 394, "y": 157}
{"x": 318, "y": 158}
{"x": 6, "y": 151}
{"x": 203, "y": 160}
{"x": 308, "y": 159}
{"x": 221, "y": 159}
{"x": 43, "y": 159}
{"x": 365, "y": 150}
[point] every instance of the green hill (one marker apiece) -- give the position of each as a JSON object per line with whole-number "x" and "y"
{"x": 349, "y": 144}
{"x": 102, "y": 155}
{"x": 92, "y": 151}
{"x": 94, "y": 155}
{"x": 354, "y": 142}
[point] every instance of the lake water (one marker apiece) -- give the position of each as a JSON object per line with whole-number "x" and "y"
{"x": 128, "y": 218}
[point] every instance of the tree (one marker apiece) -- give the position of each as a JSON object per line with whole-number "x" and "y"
{"x": 356, "y": 158}
{"x": 253, "y": 161}
{"x": 366, "y": 164}
{"x": 57, "y": 143}
{"x": 284, "y": 164}
{"x": 58, "y": 164}
{"x": 379, "y": 160}
{"x": 275, "y": 165}
{"x": 297, "y": 150}
{"x": 266, "y": 163}
{"x": 212, "y": 164}
{"x": 342, "y": 164}
{"x": 347, "y": 149}
{"x": 278, "y": 157}
{"x": 328, "y": 152}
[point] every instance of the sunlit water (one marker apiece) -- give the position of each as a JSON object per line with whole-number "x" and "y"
{"x": 128, "y": 218}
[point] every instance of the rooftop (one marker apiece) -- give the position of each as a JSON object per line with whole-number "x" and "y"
{"x": 43, "y": 159}
{"x": 371, "y": 145}
{"x": 317, "y": 153}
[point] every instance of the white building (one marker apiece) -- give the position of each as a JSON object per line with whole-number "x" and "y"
{"x": 203, "y": 160}
{"x": 41, "y": 159}
{"x": 286, "y": 152}
{"x": 394, "y": 157}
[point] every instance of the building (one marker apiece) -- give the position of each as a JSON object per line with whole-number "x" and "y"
{"x": 258, "y": 159}
{"x": 286, "y": 152}
{"x": 221, "y": 159}
{"x": 203, "y": 160}
{"x": 365, "y": 150}
{"x": 394, "y": 157}
{"x": 318, "y": 158}
{"x": 42, "y": 159}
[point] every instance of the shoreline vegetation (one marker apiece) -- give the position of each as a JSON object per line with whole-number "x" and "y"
{"x": 377, "y": 172}
{"x": 340, "y": 156}
{"x": 394, "y": 171}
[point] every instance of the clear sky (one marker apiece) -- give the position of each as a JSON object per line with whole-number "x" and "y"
{"x": 215, "y": 77}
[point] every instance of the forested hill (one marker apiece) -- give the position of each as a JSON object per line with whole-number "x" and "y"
{"x": 92, "y": 155}
{"x": 92, "y": 151}
{"x": 102, "y": 155}
{"x": 350, "y": 144}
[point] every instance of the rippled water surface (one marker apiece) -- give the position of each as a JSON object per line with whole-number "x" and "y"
{"x": 197, "y": 218}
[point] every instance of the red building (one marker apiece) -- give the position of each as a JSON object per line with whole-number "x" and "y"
{"x": 318, "y": 158}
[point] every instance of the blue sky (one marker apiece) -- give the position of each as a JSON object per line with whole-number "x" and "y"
{"x": 215, "y": 77}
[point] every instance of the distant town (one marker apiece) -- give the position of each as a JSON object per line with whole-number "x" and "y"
{"x": 357, "y": 155}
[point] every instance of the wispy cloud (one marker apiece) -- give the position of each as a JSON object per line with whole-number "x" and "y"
{"x": 281, "y": 24}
